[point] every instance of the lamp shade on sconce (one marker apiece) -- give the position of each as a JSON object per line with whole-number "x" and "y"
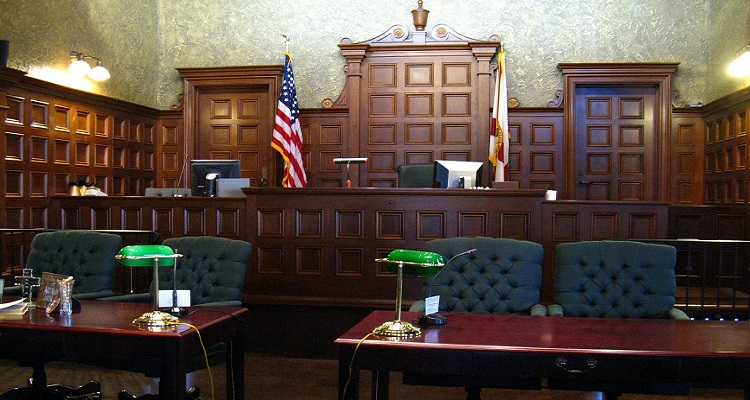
{"x": 79, "y": 66}
{"x": 99, "y": 73}
{"x": 741, "y": 65}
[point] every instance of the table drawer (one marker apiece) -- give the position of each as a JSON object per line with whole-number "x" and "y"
{"x": 619, "y": 368}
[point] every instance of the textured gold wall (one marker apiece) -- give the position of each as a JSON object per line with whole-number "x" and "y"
{"x": 143, "y": 41}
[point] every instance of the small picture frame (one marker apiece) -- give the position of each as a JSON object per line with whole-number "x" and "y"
{"x": 48, "y": 278}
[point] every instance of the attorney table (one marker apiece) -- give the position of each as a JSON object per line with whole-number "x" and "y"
{"x": 105, "y": 330}
{"x": 628, "y": 351}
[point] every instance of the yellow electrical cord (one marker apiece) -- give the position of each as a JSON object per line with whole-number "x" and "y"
{"x": 205, "y": 354}
{"x": 351, "y": 364}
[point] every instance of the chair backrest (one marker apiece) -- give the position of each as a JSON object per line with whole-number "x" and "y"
{"x": 416, "y": 175}
{"x": 503, "y": 276}
{"x": 619, "y": 279}
{"x": 168, "y": 192}
{"x": 88, "y": 256}
{"x": 212, "y": 268}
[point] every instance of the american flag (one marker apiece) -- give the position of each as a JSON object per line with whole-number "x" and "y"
{"x": 287, "y": 134}
{"x": 499, "y": 141}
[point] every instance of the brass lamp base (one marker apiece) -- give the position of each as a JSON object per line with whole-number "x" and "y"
{"x": 157, "y": 319}
{"x": 397, "y": 329}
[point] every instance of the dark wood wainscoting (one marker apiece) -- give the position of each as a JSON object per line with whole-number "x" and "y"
{"x": 318, "y": 246}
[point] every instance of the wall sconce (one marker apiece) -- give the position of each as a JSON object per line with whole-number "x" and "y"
{"x": 81, "y": 67}
{"x": 741, "y": 65}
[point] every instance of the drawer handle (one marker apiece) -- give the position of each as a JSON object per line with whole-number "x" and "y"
{"x": 562, "y": 362}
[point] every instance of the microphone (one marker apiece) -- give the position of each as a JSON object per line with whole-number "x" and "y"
{"x": 437, "y": 318}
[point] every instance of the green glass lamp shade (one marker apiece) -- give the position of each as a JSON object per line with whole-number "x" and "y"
{"x": 414, "y": 262}
{"x": 143, "y": 255}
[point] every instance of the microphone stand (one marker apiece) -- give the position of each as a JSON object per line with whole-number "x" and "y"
{"x": 437, "y": 318}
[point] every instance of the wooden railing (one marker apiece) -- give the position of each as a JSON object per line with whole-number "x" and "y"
{"x": 713, "y": 281}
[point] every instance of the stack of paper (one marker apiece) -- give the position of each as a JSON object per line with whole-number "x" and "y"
{"x": 13, "y": 310}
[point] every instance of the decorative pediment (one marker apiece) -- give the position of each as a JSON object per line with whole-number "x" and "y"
{"x": 400, "y": 34}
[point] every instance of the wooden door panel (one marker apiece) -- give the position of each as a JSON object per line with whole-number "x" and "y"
{"x": 616, "y": 143}
{"x": 233, "y": 125}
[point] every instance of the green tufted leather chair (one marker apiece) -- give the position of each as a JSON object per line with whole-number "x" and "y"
{"x": 615, "y": 279}
{"x": 212, "y": 268}
{"x": 88, "y": 256}
{"x": 503, "y": 276}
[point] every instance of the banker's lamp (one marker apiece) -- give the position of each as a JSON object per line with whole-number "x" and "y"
{"x": 410, "y": 262}
{"x": 151, "y": 255}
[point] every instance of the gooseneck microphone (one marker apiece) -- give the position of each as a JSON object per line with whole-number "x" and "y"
{"x": 437, "y": 318}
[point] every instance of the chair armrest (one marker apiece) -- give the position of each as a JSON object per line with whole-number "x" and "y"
{"x": 417, "y": 306}
{"x": 130, "y": 298}
{"x": 676, "y": 314}
{"x": 229, "y": 303}
{"x": 94, "y": 295}
{"x": 12, "y": 290}
{"x": 538, "y": 310}
{"x": 555, "y": 310}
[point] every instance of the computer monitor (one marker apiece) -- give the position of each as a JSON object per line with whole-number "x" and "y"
{"x": 204, "y": 173}
{"x": 455, "y": 174}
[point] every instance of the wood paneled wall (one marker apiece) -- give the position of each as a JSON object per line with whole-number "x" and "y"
{"x": 53, "y": 136}
{"x": 727, "y": 150}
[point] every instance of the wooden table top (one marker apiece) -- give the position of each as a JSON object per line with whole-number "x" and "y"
{"x": 567, "y": 335}
{"x": 116, "y": 318}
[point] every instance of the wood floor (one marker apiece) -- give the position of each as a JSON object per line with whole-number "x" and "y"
{"x": 272, "y": 377}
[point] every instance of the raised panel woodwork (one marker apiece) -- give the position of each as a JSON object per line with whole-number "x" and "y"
{"x": 270, "y": 223}
{"x": 389, "y": 225}
{"x": 382, "y": 75}
{"x": 83, "y": 122}
{"x": 457, "y": 105}
{"x": 431, "y": 225}
{"x": 14, "y": 183}
{"x": 162, "y": 220}
{"x": 309, "y": 261}
{"x": 419, "y": 75}
{"x": 731, "y": 226}
{"x": 381, "y": 161}
{"x": 644, "y": 225}
{"x": 38, "y": 184}
{"x": 472, "y": 224}
{"x": 228, "y": 223}
{"x": 349, "y": 224}
{"x": 122, "y": 126}
{"x": 220, "y": 108}
{"x": 135, "y": 132}
{"x": 60, "y": 186}
{"x": 14, "y": 115}
{"x": 515, "y": 225}
{"x": 457, "y": 74}
{"x": 418, "y": 134}
{"x": 39, "y": 149}
{"x": 39, "y": 114}
{"x": 310, "y": 224}
{"x": 38, "y": 217}
{"x": 13, "y": 146}
{"x": 454, "y": 133}
{"x": 383, "y": 105}
{"x": 565, "y": 227}
{"x": 101, "y": 126}
{"x": 270, "y": 260}
{"x": 382, "y": 134}
{"x": 349, "y": 262}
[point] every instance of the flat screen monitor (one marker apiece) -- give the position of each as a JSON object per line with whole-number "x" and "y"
{"x": 204, "y": 173}
{"x": 456, "y": 174}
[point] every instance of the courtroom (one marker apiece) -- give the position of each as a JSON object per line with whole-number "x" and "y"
{"x": 432, "y": 199}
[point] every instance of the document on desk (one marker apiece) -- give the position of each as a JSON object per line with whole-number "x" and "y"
{"x": 13, "y": 309}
